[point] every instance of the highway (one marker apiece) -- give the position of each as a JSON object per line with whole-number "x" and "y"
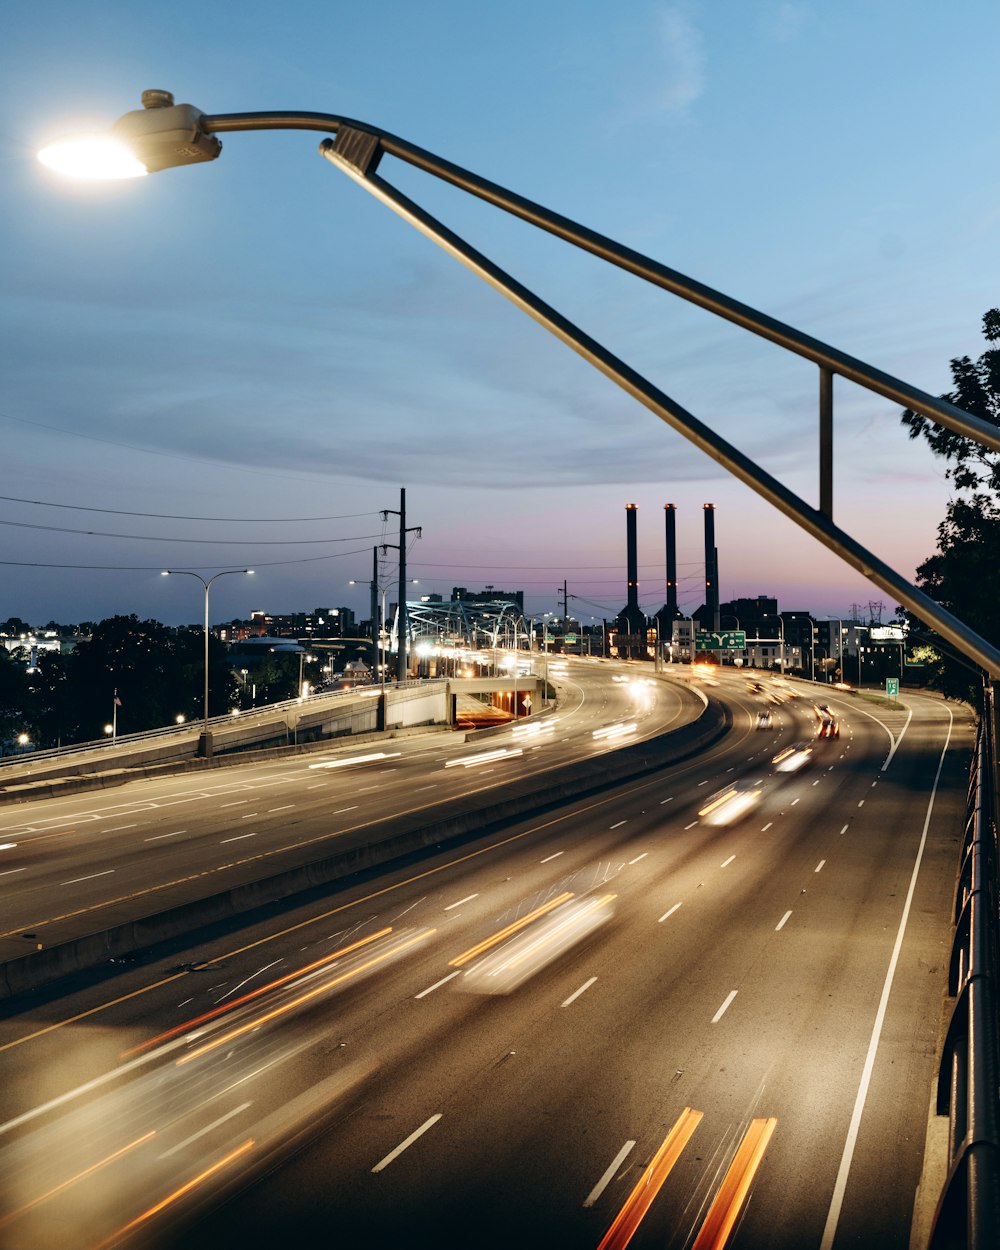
{"x": 152, "y": 843}
{"x": 617, "y": 1022}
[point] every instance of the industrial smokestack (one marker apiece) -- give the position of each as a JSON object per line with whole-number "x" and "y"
{"x": 632, "y": 559}
{"x": 711, "y": 568}
{"x": 670, "y": 514}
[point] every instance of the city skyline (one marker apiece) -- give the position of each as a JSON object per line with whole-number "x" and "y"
{"x": 255, "y": 340}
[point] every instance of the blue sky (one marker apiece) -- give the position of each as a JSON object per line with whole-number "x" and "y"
{"x": 257, "y": 340}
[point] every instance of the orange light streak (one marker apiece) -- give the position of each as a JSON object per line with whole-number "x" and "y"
{"x": 728, "y": 1202}
{"x": 275, "y": 1012}
{"x": 195, "y": 1021}
{"x": 516, "y": 925}
{"x": 650, "y": 1182}
{"x": 173, "y": 1197}
{"x": 72, "y": 1180}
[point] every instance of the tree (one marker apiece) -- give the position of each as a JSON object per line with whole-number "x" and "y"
{"x": 16, "y": 704}
{"x": 962, "y": 575}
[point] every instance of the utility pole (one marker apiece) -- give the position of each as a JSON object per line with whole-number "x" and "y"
{"x": 565, "y": 611}
{"x": 401, "y": 667}
{"x": 376, "y": 623}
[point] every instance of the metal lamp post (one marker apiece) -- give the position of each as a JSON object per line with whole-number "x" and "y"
{"x": 207, "y": 585}
{"x": 163, "y": 134}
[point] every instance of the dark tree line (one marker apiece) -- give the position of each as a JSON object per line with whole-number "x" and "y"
{"x": 155, "y": 671}
{"x": 963, "y": 574}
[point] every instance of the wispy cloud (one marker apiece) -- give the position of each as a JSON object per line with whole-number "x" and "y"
{"x": 682, "y": 61}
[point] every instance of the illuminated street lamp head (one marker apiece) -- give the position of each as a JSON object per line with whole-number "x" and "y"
{"x": 158, "y": 136}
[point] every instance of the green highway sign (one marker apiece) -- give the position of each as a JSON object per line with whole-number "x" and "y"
{"x": 892, "y": 687}
{"x": 733, "y": 640}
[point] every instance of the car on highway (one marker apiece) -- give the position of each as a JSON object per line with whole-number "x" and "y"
{"x": 791, "y": 759}
{"x": 828, "y": 727}
{"x": 732, "y": 803}
{"x": 764, "y": 719}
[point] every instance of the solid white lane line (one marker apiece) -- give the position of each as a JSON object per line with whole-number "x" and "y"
{"x": 767, "y": 826}
{"x": 667, "y": 914}
{"x": 468, "y": 899}
{"x": 576, "y": 993}
{"x": 548, "y": 858}
{"x": 618, "y": 825}
{"x": 316, "y": 785}
{"x": 819, "y": 866}
{"x": 239, "y": 838}
{"x": 691, "y": 825}
{"x": 8, "y": 846}
{"x": 12, "y": 870}
{"x": 722, "y": 1010}
{"x": 726, "y": 862}
{"x": 781, "y": 922}
{"x": 837, "y": 1201}
{"x": 283, "y": 808}
{"x": 437, "y": 984}
{"x": 843, "y": 831}
{"x": 237, "y": 803}
{"x": 637, "y": 858}
{"x": 207, "y": 1129}
{"x": 608, "y": 1176}
{"x": 106, "y": 873}
{"x": 403, "y": 1145}
{"x": 340, "y": 810}
{"x": 157, "y": 836}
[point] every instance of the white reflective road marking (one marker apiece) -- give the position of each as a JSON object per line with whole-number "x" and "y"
{"x": 722, "y": 1010}
{"x": 403, "y": 1145}
{"x": 608, "y": 1176}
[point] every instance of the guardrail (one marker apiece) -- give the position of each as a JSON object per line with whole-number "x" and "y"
{"x": 196, "y": 727}
{"x": 968, "y": 1211}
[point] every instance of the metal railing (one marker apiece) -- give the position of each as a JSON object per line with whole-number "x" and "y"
{"x": 968, "y": 1211}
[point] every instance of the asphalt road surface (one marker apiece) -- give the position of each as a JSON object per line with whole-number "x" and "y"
{"x": 616, "y": 1023}
{"x": 76, "y": 862}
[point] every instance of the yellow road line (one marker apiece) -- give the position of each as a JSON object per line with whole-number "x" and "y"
{"x": 728, "y": 1202}
{"x": 628, "y": 1219}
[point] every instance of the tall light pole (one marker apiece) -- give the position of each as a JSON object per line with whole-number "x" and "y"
{"x": 207, "y": 585}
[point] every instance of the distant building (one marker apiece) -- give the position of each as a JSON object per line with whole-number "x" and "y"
{"x": 319, "y": 623}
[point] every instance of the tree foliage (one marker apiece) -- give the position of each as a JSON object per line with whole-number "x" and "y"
{"x": 155, "y": 672}
{"x": 977, "y": 390}
{"x": 964, "y": 572}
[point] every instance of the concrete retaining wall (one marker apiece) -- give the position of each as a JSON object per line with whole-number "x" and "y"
{"x": 385, "y": 842}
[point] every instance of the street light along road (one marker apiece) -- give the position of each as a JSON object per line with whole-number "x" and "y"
{"x": 207, "y": 585}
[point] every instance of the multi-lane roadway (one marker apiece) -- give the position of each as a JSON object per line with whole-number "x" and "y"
{"x": 69, "y": 865}
{"x": 615, "y": 1021}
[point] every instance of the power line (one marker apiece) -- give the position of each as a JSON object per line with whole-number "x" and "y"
{"x": 158, "y": 568}
{"x": 212, "y": 542}
{"x": 171, "y": 516}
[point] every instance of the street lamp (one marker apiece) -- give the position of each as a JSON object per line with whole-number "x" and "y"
{"x": 207, "y": 585}
{"x": 163, "y": 134}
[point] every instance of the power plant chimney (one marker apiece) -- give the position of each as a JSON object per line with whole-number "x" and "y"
{"x": 711, "y": 568}
{"x": 632, "y": 560}
{"x": 670, "y": 514}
